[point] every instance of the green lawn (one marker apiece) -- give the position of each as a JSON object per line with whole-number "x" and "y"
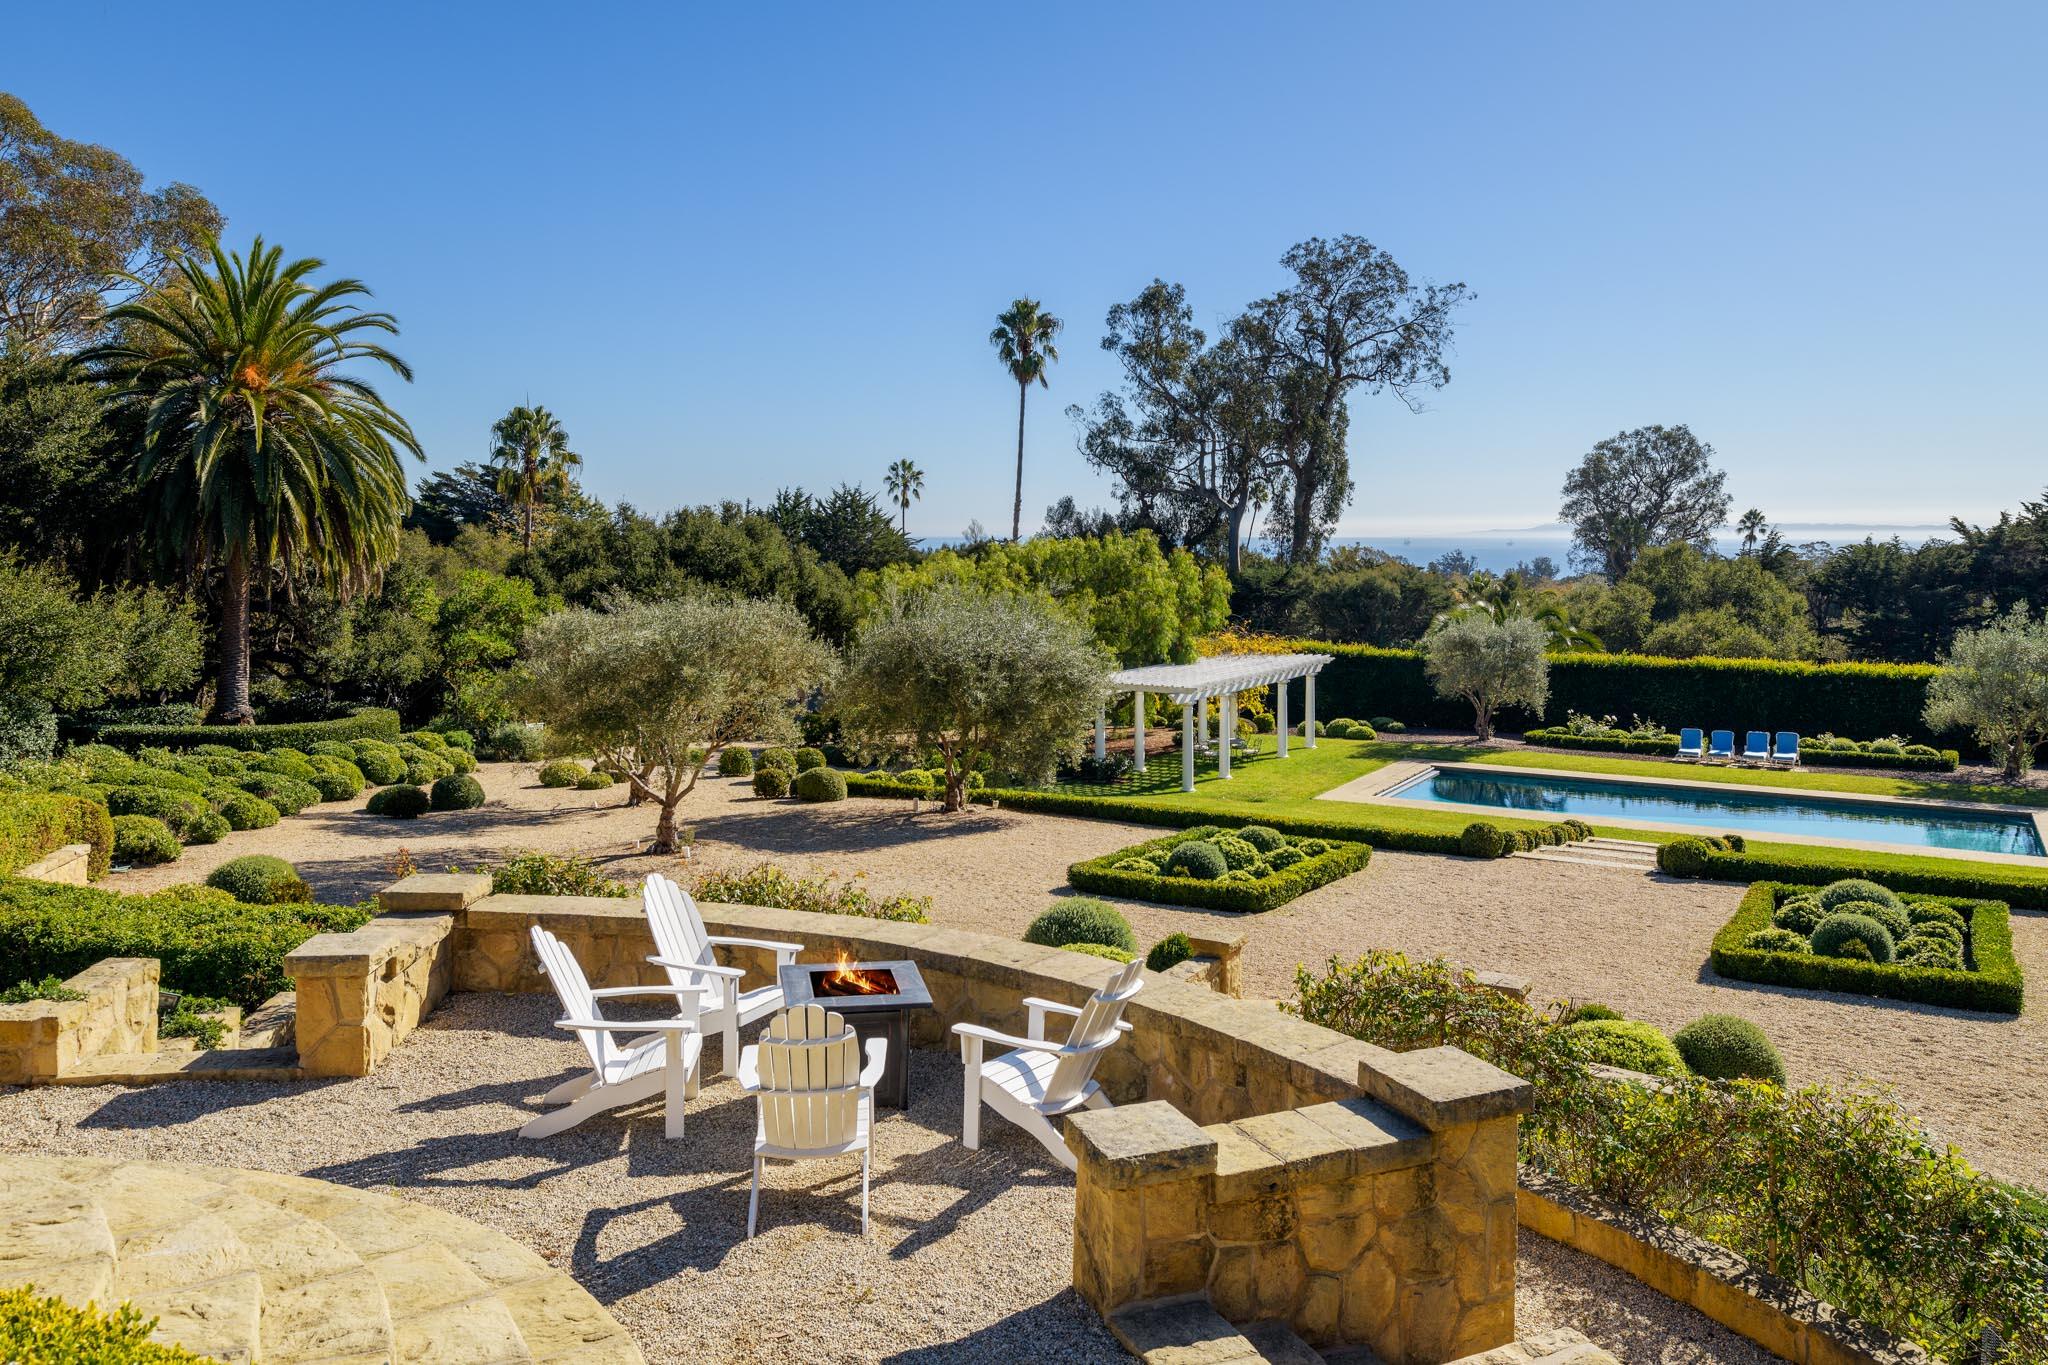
{"x": 1811, "y": 779}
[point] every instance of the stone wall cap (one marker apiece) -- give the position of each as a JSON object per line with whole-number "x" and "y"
{"x": 435, "y": 891}
{"x": 1379, "y": 1139}
{"x": 1443, "y": 1087}
{"x": 1309, "y": 1153}
{"x": 1139, "y": 1144}
{"x": 556, "y": 907}
{"x": 326, "y": 954}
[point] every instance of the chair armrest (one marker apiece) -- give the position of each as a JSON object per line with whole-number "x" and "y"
{"x": 634, "y": 1026}
{"x": 619, "y": 992}
{"x": 784, "y": 952}
{"x": 672, "y": 965}
{"x": 748, "y": 1073}
{"x": 1039, "y": 1002}
{"x": 989, "y": 1035}
{"x": 878, "y": 1057}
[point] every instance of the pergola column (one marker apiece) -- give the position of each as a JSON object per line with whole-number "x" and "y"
{"x": 1226, "y": 733}
{"x": 1101, "y": 731}
{"x": 1138, "y": 731}
{"x": 1308, "y": 708}
{"x": 1280, "y": 710}
{"x": 1187, "y": 745}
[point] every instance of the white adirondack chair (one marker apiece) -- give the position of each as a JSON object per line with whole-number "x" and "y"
{"x": 682, "y": 948}
{"x": 1037, "y": 1082}
{"x": 816, "y": 1098}
{"x": 666, "y": 1059}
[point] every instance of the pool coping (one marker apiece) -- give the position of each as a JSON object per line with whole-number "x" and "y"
{"x": 1376, "y": 788}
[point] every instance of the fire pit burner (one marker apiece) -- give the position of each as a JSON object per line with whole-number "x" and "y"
{"x": 848, "y": 979}
{"x": 876, "y": 998}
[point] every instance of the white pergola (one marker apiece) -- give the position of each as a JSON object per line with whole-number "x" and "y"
{"x": 1221, "y": 676}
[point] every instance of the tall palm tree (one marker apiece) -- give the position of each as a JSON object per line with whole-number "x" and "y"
{"x": 1752, "y": 527}
{"x": 905, "y": 482}
{"x": 1023, "y": 342}
{"x": 533, "y": 458}
{"x": 262, "y": 445}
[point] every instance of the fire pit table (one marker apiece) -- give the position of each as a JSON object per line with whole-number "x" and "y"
{"x": 876, "y": 998}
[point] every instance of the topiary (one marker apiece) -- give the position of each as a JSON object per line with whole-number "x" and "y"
{"x": 1936, "y": 953}
{"x": 1932, "y": 912}
{"x": 209, "y": 828}
{"x": 1885, "y": 746}
{"x": 462, "y": 760}
{"x": 1922, "y": 933}
{"x": 1339, "y": 728}
{"x": 285, "y": 762}
{"x": 1776, "y": 940}
{"x": 1481, "y": 840}
{"x": 288, "y": 794}
{"x": 460, "y": 739}
{"x": 1726, "y": 1047}
{"x": 424, "y": 765}
{"x": 734, "y": 761}
{"x": 1313, "y": 848}
{"x": 1891, "y": 917}
{"x": 1202, "y": 832}
{"x": 1264, "y": 838}
{"x": 1685, "y": 857}
{"x": 513, "y": 742}
{"x": 1099, "y": 950}
{"x": 400, "y": 803}
{"x": 593, "y": 782}
{"x": 457, "y": 791}
{"x": 1280, "y": 859}
{"x": 1841, "y": 935}
{"x": 1835, "y": 894}
{"x": 1360, "y": 730}
{"x": 562, "y": 772}
{"x": 808, "y": 758}
{"x": 1143, "y": 866}
{"x": 1196, "y": 858}
{"x": 259, "y": 879}
{"x": 1170, "y": 952}
{"x": 775, "y": 756}
{"x": 1626, "y": 1043}
{"x": 380, "y": 769}
{"x": 1801, "y": 915}
{"x": 1082, "y": 919}
{"x": 820, "y": 784}
{"x": 771, "y": 782}
{"x": 333, "y": 786}
{"x": 1237, "y": 853}
{"x": 176, "y": 809}
{"x": 144, "y": 841}
{"x": 425, "y": 739}
{"x": 245, "y": 810}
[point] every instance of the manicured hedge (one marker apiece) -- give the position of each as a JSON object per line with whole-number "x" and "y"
{"x": 1100, "y": 875}
{"x": 1995, "y": 986}
{"x": 2021, "y": 887}
{"x": 33, "y": 824}
{"x": 1942, "y": 761}
{"x": 1664, "y": 746}
{"x": 372, "y": 722}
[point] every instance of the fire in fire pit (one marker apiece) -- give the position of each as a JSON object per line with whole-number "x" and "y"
{"x": 847, "y": 979}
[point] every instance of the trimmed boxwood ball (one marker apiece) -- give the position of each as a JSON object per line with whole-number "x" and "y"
{"x": 400, "y": 803}
{"x": 1170, "y": 952}
{"x": 245, "y": 810}
{"x": 1842, "y": 935}
{"x": 1801, "y": 914}
{"x": 1836, "y": 894}
{"x": 278, "y": 761}
{"x": 380, "y": 769}
{"x": 771, "y": 782}
{"x": 808, "y": 758}
{"x": 1931, "y": 952}
{"x": 776, "y": 756}
{"x": 1239, "y": 874}
{"x": 462, "y": 760}
{"x": 330, "y": 748}
{"x": 1627, "y": 1043}
{"x": 424, "y": 765}
{"x": 1481, "y": 840}
{"x": 1947, "y": 933}
{"x": 593, "y": 782}
{"x": 1082, "y": 919}
{"x": 1777, "y": 940}
{"x": 1727, "y": 1047}
{"x": 735, "y": 762}
{"x": 1264, "y": 838}
{"x": 333, "y": 786}
{"x": 1685, "y": 857}
{"x": 1196, "y": 858}
{"x": 144, "y": 841}
{"x": 1891, "y": 917}
{"x": 1280, "y": 859}
{"x": 1929, "y": 912}
{"x": 562, "y": 772}
{"x": 1583, "y": 1010}
{"x": 209, "y": 828}
{"x": 821, "y": 784}
{"x": 457, "y": 791}
{"x": 1142, "y": 866}
{"x": 176, "y": 809}
{"x": 1238, "y": 853}
{"x": 259, "y": 879}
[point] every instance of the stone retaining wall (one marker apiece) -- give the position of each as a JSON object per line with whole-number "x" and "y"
{"x": 359, "y": 994}
{"x": 43, "y": 1040}
{"x": 70, "y": 865}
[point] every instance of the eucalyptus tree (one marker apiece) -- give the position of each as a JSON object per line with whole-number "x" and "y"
{"x": 531, "y": 452}
{"x": 263, "y": 447}
{"x": 1023, "y": 339}
{"x": 1651, "y": 486}
{"x": 905, "y": 483}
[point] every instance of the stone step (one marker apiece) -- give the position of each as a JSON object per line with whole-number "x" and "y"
{"x": 1643, "y": 846}
{"x": 217, "y": 1064}
{"x": 1565, "y": 855}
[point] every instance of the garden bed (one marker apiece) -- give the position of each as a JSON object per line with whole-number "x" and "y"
{"x": 1307, "y": 863}
{"x": 1990, "y": 980}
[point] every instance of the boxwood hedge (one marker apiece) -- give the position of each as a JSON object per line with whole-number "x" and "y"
{"x": 1995, "y": 987}
{"x": 1103, "y": 877}
{"x": 33, "y": 824}
{"x": 1557, "y": 737}
{"x": 371, "y": 722}
{"x": 2018, "y": 886}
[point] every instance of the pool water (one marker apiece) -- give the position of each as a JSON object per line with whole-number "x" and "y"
{"x": 1726, "y": 809}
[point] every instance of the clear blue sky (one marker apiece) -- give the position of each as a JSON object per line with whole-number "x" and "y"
{"x": 749, "y": 246}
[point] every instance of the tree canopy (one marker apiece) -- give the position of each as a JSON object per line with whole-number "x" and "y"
{"x": 1994, "y": 682}
{"x": 1651, "y": 486}
{"x": 1491, "y": 664}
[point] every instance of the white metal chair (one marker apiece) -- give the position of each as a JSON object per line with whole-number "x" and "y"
{"x": 1036, "y": 1083}
{"x": 816, "y": 1098}
{"x": 682, "y": 948}
{"x": 667, "y": 1059}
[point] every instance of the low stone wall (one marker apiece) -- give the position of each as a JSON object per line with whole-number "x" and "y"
{"x": 1217, "y": 964}
{"x": 70, "y": 865}
{"x": 44, "y": 1040}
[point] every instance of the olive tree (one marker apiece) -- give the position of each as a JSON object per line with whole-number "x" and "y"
{"x": 1489, "y": 663}
{"x": 657, "y": 689}
{"x": 1994, "y": 681}
{"x": 976, "y": 675}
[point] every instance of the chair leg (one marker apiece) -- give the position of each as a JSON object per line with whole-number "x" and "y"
{"x": 677, "y": 1084}
{"x": 754, "y": 1200}
{"x": 569, "y": 1089}
{"x": 970, "y": 1114}
{"x": 865, "y": 1153}
{"x": 732, "y": 1028}
{"x": 695, "y": 1078}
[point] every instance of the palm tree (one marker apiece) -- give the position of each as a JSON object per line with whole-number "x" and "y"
{"x": 533, "y": 457}
{"x": 1752, "y": 527}
{"x": 262, "y": 446}
{"x": 904, "y": 482}
{"x": 1023, "y": 342}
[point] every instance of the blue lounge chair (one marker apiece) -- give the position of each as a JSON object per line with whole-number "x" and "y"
{"x": 1786, "y": 749}
{"x": 1689, "y": 745}
{"x": 1721, "y": 746}
{"x": 1756, "y": 747}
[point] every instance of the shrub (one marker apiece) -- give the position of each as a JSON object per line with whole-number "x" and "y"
{"x": 1934, "y": 912}
{"x": 462, "y": 760}
{"x": 1100, "y": 950}
{"x": 1144, "y": 866}
{"x": 1685, "y": 857}
{"x": 287, "y": 794}
{"x": 1170, "y": 952}
{"x": 734, "y": 761}
{"x": 1891, "y": 917}
{"x": 1199, "y": 859}
{"x": 456, "y": 792}
{"x": 1239, "y": 875}
{"x": 594, "y": 781}
{"x": 771, "y": 782}
{"x": 368, "y": 723}
{"x": 1841, "y": 935}
{"x": 334, "y": 787}
{"x": 1947, "y": 933}
{"x": 38, "y": 1328}
{"x": 512, "y": 742}
{"x": 767, "y": 884}
{"x": 423, "y": 765}
{"x": 425, "y": 739}
{"x": 808, "y": 758}
{"x": 562, "y": 772}
{"x": 1237, "y": 853}
{"x": 775, "y": 756}
{"x": 400, "y": 803}
{"x": 1481, "y": 840}
{"x": 144, "y": 841}
{"x": 459, "y": 739}
{"x": 35, "y": 824}
{"x": 380, "y": 767}
{"x": 1585, "y": 1010}
{"x": 245, "y": 810}
{"x": 528, "y": 873}
{"x": 259, "y": 879}
{"x": 1082, "y": 919}
{"x": 1931, "y": 952}
{"x": 209, "y": 828}
{"x": 1726, "y": 1047}
{"x": 1280, "y": 859}
{"x": 49, "y": 988}
{"x": 1835, "y": 894}
{"x": 176, "y": 809}
{"x": 1626, "y": 1043}
{"x": 287, "y": 764}
{"x": 820, "y": 784}
{"x": 1264, "y": 838}
{"x": 1772, "y": 939}
{"x": 1801, "y": 915}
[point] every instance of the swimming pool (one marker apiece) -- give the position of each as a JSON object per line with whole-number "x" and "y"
{"x": 1726, "y": 809}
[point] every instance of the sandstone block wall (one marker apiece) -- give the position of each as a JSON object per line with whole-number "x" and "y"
{"x": 45, "y": 1039}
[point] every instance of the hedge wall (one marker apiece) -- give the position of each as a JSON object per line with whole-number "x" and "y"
{"x": 1723, "y": 694}
{"x": 2015, "y": 886}
{"x": 1102, "y": 876}
{"x": 372, "y": 722}
{"x": 1995, "y": 986}
{"x": 35, "y": 823}
{"x": 1665, "y": 746}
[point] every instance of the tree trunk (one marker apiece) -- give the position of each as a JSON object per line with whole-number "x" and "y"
{"x": 231, "y": 702}
{"x": 1017, "y": 507}
{"x": 526, "y": 526}
{"x": 1483, "y": 721}
{"x": 2016, "y": 760}
{"x": 665, "y": 827}
{"x": 1236, "y": 539}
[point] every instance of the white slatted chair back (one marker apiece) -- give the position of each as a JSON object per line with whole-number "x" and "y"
{"x": 572, "y": 988}
{"x": 1094, "y": 1029}
{"x": 809, "y": 1066}
{"x": 679, "y": 935}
